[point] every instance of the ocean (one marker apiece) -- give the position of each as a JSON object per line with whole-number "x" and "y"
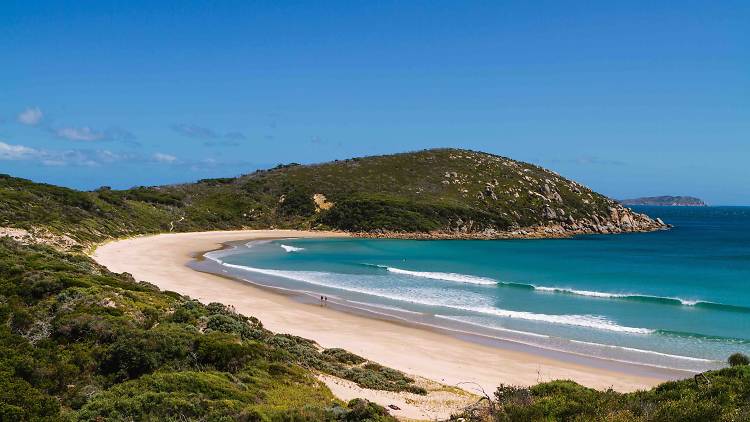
{"x": 677, "y": 299}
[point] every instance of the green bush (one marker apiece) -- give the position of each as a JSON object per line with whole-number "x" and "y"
{"x": 342, "y": 356}
{"x": 365, "y": 411}
{"x": 738, "y": 359}
{"x": 722, "y": 395}
{"x": 225, "y": 352}
{"x": 297, "y": 202}
{"x": 129, "y": 358}
{"x": 152, "y": 195}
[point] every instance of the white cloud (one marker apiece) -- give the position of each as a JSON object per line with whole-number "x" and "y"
{"x": 30, "y": 116}
{"x": 71, "y": 157}
{"x": 80, "y": 134}
{"x": 164, "y": 158}
{"x": 100, "y": 157}
{"x": 16, "y": 152}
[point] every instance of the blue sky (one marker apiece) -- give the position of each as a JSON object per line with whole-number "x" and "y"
{"x": 632, "y": 99}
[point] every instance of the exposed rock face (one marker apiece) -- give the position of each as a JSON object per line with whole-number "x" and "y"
{"x": 620, "y": 220}
{"x": 321, "y": 202}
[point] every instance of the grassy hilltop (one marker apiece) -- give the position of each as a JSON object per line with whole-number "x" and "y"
{"x": 443, "y": 191}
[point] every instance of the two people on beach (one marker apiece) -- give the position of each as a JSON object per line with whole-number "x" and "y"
{"x": 323, "y": 300}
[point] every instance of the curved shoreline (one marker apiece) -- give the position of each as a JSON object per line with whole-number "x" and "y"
{"x": 212, "y": 262}
{"x": 429, "y": 353}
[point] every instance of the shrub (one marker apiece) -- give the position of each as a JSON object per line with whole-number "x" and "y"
{"x": 297, "y": 202}
{"x": 225, "y": 352}
{"x": 188, "y": 312}
{"x": 152, "y": 195}
{"x": 738, "y": 359}
{"x": 363, "y": 410}
{"x": 342, "y": 356}
{"x": 127, "y": 358}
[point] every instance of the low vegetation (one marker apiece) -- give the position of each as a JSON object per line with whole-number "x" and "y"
{"x": 78, "y": 342}
{"x": 722, "y": 395}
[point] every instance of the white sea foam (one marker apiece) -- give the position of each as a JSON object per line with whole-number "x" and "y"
{"x": 492, "y": 327}
{"x": 648, "y": 352}
{"x": 601, "y": 347}
{"x": 589, "y": 321}
{"x": 323, "y": 279}
{"x": 456, "y": 277}
{"x": 472, "y": 279}
{"x": 386, "y": 307}
{"x": 577, "y": 292}
{"x": 291, "y": 248}
{"x": 607, "y": 295}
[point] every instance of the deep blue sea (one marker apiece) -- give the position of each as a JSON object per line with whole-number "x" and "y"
{"x": 677, "y": 299}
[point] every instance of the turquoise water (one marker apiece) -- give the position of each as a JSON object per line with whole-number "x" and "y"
{"x": 677, "y": 299}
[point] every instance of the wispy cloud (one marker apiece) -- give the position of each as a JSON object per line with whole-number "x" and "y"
{"x": 70, "y": 157}
{"x": 16, "y": 152}
{"x": 31, "y": 116}
{"x": 160, "y": 157}
{"x": 212, "y": 137}
{"x": 11, "y": 152}
{"x": 87, "y": 134}
{"x": 80, "y": 134}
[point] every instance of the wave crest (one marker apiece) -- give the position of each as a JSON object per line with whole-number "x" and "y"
{"x": 664, "y": 300}
{"x": 588, "y": 321}
{"x": 455, "y": 277}
{"x": 291, "y": 248}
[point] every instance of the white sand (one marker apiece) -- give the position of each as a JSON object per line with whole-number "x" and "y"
{"x": 439, "y": 357}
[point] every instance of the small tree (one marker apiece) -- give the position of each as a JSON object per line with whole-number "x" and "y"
{"x": 738, "y": 359}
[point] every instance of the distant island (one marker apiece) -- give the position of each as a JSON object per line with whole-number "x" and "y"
{"x": 665, "y": 201}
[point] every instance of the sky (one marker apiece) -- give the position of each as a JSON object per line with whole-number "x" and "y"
{"x": 630, "y": 98}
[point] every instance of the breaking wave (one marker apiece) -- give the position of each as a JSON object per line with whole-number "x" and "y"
{"x": 455, "y": 277}
{"x": 321, "y": 279}
{"x": 635, "y": 297}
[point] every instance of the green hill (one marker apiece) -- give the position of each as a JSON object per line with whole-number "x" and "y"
{"x": 442, "y": 192}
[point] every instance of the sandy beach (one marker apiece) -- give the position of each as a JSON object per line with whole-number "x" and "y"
{"x": 162, "y": 259}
